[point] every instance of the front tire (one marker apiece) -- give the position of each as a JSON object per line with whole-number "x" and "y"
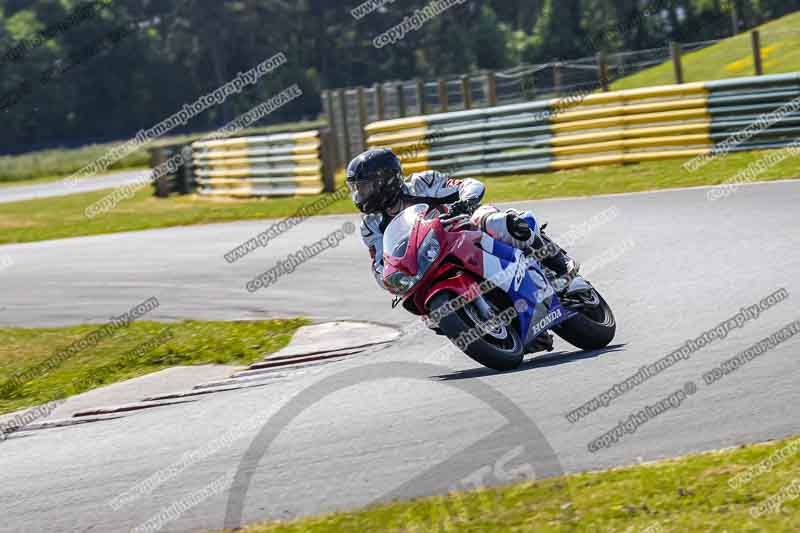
{"x": 592, "y": 329}
{"x": 499, "y": 351}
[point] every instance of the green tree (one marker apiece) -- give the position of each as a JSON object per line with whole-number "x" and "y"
{"x": 558, "y": 32}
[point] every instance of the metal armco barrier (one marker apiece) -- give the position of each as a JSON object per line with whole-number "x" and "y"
{"x": 604, "y": 128}
{"x": 265, "y": 165}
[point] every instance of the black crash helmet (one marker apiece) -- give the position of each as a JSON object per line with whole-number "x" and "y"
{"x": 375, "y": 179}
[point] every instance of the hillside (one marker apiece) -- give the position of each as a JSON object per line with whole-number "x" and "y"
{"x": 730, "y": 58}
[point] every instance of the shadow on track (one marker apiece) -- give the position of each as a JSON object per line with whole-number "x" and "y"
{"x": 542, "y": 361}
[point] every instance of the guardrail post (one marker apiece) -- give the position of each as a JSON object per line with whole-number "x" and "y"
{"x": 756, "y": 38}
{"x": 602, "y": 69}
{"x": 327, "y": 150}
{"x": 466, "y": 92}
{"x": 380, "y": 102}
{"x": 401, "y": 100}
{"x": 334, "y": 142}
{"x": 676, "y": 53}
{"x": 491, "y": 88}
{"x": 442, "y": 89}
{"x": 182, "y": 181}
{"x": 557, "y": 78}
{"x": 186, "y": 173}
{"x": 159, "y": 156}
{"x": 362, "y": 117}
{"x": 345, "y": 130}
{"x": 420, "y": 88}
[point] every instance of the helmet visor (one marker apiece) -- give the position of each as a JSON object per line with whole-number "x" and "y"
{"x": 366, "y": 191}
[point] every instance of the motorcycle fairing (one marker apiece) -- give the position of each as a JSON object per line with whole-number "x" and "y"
{"x": 523, "y": 280}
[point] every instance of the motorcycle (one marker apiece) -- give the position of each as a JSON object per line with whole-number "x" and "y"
{"x": 490, "y": 299}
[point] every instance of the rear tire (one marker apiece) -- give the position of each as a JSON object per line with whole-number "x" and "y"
{"x": 589, "y": 330}
{"x": 498, "y": 354}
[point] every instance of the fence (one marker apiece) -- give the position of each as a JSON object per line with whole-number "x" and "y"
{"x": 654, "y": 123}
{"x": 265, "y": 165}
{"x": 348, "y": 111}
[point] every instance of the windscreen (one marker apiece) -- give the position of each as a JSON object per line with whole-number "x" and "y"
{"x": 395, "y": 239}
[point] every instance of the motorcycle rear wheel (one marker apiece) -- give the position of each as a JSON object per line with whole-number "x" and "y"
{"x": 500, "y": 350}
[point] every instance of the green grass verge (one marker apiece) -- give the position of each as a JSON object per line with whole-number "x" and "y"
{"x": 116, "y": 358}
{"x": 48, "y": 165}
{"x": 730, "y": 58}
{"x": 675, "y": 496}
{"x": 60, "y": 217}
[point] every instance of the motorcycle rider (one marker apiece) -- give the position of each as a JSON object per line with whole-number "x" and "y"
{"x": 380, "y": 191}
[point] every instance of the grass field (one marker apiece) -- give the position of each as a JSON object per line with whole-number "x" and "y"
{"x": 689, "y": 494}
{"x": 114, "y": 358}
{"x": 62, "y": 217}
{"x": 46, "y": 165}
{"x": 780, "y": 48}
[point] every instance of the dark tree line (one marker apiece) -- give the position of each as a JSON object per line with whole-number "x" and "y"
{"x": 73, "y": 72}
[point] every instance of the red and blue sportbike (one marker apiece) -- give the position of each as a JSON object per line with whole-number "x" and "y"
{"x": 493, "y": 301}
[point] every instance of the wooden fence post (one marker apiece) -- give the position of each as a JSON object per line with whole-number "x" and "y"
{"x": 442, "y": 88}
{"x": 602, "y": 69}
{"x": 420, "y": 88}
{"x": 557, "y": 78}
{"x": 380, "y": 102}
{"x": 362, "y": 117}
{"x": 466, "y": 92}
{"x": 491, "y": 88}
{"x": 528, "y": 87}
{"x": 401, "y": 100}
{"x": 756, "y": 38}
{"x": 677, "y": 63}
{"x": 348, "y": 154}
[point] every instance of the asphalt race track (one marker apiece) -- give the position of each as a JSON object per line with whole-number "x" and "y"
{"x": 691, "y": 264}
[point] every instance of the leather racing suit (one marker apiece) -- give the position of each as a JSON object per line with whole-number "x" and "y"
{"x": 434, "y": 188}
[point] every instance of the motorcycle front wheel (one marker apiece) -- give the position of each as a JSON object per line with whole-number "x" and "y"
{"x": 593, "y": 327}
{"x": 499, "y": 348}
